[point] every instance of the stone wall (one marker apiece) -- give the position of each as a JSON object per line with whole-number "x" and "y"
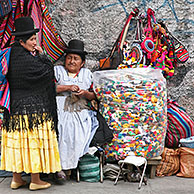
{"x": 99, "y": 22}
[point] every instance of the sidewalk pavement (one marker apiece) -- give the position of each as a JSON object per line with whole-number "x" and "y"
{"x": 162, "y": 185}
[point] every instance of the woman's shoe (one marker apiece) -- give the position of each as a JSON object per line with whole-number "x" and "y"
{"x": 15, "y": 185}
{"x": 34, "y": 186}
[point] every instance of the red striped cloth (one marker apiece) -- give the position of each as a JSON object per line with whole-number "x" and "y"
{"x": 179, "y": 125}
{"x": 7, "y": 23}
{"x": 51, "y": 41}
{"x": 36, "y": 14}
{"x": 48, "y": 37}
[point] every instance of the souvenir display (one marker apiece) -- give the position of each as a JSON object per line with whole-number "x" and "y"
{"x": 133, "y": 103}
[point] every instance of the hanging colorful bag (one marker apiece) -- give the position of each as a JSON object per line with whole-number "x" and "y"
{"x": 5, "y": 7}
{"x": 163, "y": 55}
{"x": 116, "y": 55}
{"x": 148, "y": 42}
{"x": 136, "y": 49}
{"x": 133, "y": 53}
{"x": 181, "y": 53}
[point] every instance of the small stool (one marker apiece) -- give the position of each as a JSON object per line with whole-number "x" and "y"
{"x": 137, "y": 161}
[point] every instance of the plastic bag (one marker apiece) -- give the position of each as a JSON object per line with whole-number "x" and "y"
{"x": 186, "y": 162}
{"x": 133, "y": 103}
{"x": 187, "y": 142}
{"x": 169, "y": 164}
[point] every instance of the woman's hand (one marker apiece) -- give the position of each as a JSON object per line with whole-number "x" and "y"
{"x": 74, "y": 88}
{"x": 82, "y": 93}
{"x": 66, "y": 88}
{"x": 86, "y": 94}
{"x": 38, "y": 49}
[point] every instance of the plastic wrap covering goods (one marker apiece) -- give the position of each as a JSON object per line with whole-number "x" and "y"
{"x": 134, "y": 104}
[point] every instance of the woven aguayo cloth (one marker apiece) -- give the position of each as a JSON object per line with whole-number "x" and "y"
{"x": 48, "y": 37}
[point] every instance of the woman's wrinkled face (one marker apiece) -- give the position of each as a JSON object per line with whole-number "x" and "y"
{"x": 30, "y": 44}
{"x": 73, "y": 63}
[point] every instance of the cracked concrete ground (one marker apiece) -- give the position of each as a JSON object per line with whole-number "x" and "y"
{"x": 162, "y": 185}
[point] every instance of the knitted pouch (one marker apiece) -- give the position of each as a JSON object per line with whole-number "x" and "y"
{"x": 182, "y": 55}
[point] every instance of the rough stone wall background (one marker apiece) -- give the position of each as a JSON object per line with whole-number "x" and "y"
{"x": 99, "y": 22}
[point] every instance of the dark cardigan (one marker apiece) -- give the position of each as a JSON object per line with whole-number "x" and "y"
{"x": 32, "y": 90}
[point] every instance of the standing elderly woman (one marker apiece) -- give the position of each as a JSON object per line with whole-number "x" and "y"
{"x": 77, "y": 122}
{"x": 29, "y": 141}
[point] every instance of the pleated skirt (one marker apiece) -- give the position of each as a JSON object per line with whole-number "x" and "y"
{"x": 30, "y": 151}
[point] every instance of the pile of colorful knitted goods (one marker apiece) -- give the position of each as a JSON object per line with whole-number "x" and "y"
{"x": 133, "y": 103}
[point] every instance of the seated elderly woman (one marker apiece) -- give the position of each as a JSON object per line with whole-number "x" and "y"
{"x": 77, "y": 122}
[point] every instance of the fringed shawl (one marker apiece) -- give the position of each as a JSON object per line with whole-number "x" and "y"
{"x": 32, "y": 90}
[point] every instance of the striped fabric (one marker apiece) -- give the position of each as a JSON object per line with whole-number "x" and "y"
{"x": 36, "y": 14}
{"x": 51, "y": 41}
{"x": 5, "y": 7}
{"x": 4, "y": 85}
{"x": 7, "y": 23}
{"x": 180, "y": 125}
{"x": 181, "y": 53}
{"x": 48, "y": 37}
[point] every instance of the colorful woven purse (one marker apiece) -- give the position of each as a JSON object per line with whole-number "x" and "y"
{"x": 182, "y": 55}
{"x": 133, "y": 52}
{"x": 116, "y": 54}
{"x": 5, "y": 7}
{"x": 148, "y": 43}
{"x": 180, "y": 52}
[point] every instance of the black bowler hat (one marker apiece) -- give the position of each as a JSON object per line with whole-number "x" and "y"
{"x": 24, "y": 26}
{"x": 76, "y": 47}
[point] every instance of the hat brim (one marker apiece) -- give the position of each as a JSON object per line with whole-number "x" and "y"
{"x": 75, "y": 51}
{"x": 14, "y": 33}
